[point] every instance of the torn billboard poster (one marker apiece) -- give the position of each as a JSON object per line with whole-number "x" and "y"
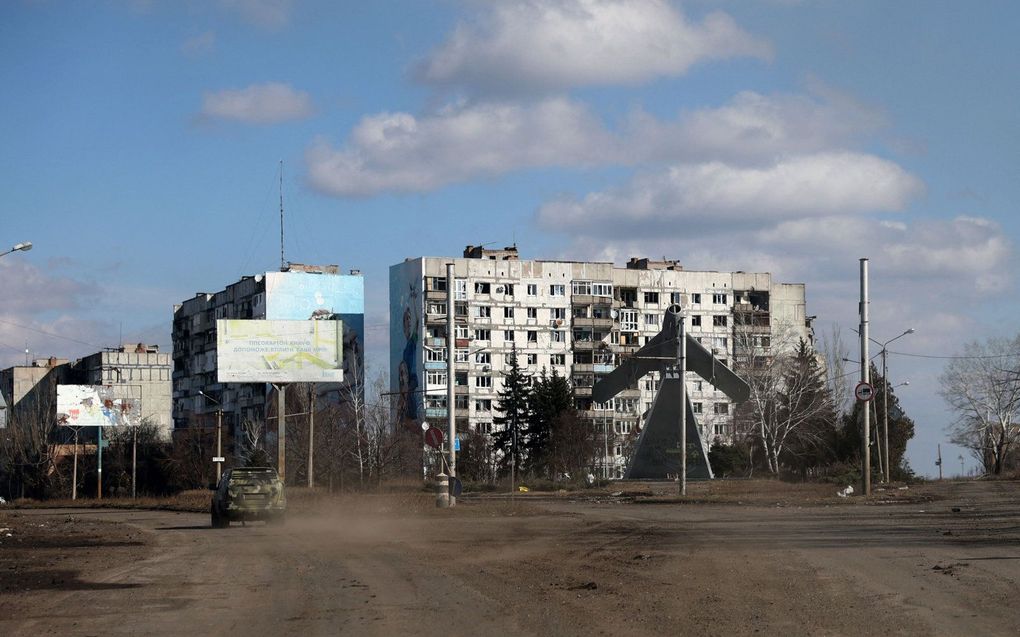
{"x": 96, "y": 406}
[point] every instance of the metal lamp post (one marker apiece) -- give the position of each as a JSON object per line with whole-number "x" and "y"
{"x": 885, "y": 402}
{"x": 219, "y": 435}
{"x": 24, "y": 246}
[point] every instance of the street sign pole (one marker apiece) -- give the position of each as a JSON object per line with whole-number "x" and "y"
{"x": 865, "y": 377}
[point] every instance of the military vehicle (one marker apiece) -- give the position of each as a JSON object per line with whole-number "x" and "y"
{"x": 248, "y": 493}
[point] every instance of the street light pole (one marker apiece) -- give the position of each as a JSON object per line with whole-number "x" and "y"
{"x": 24, "y": 246}
{"x": 885, "y": 402}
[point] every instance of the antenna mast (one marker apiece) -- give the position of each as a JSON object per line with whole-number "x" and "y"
{"x": 283, "y": 264}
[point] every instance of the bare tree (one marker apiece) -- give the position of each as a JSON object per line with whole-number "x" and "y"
{"x": 253, "y": 438}
{"x": 789, "y": 412}
{"x": 27, "y": 449}
{"x": 982, "y": 388}
{"x": 836, "y": 352}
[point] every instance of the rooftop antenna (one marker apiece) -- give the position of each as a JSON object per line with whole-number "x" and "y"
{"x": 283, "y": 264}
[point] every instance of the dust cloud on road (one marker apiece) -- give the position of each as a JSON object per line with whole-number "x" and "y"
{"x": 385, "y": 565}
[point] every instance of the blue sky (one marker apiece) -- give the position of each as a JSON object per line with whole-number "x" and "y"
{"x": 142, "y": 142}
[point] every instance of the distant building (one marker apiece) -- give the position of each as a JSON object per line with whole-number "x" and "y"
{"x": 140, "y": 372}
{"x": 301, "y": 292}
{"x": 30, "y": 391}
{"x": 579, "y": 318}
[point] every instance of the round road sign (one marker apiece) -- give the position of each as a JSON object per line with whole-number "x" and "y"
{"x": 434, "y": 437}
{"x": 864, "y": 391}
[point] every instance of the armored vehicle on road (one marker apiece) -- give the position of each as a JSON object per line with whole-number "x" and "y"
{"x": 248, "y": 493}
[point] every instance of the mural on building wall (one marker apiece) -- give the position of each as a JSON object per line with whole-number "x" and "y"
{"x": 301, "y": 296}
{"x": 405, "y": 343}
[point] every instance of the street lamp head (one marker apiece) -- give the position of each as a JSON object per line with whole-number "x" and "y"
{"x": 909, "y": 331}
{"x": 24, "y": 246}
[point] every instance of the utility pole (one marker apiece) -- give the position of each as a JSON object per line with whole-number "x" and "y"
{"x": 865, "y": 378}
{"x": 311, "y": 435}
{"x": 74, "y": 473}
{"x": 99, "y": 464}
{"x": 281, "y": 435}
{"x": 451, "y": 397}
{"x": 885, "y": 414}
{"x": 219, "y": 442}
{"x": 134, "y": 462}
{"x": 939, "y": 461}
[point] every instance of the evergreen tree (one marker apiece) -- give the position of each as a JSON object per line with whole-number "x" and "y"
{"x": 514, "y": 406}
{"x": 806, "y": 400}
{"x": 551, "y": 397}
{"x": 901, "y": 429}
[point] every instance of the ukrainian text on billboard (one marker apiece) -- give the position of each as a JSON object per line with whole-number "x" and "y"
{"x": 257, "y": 351}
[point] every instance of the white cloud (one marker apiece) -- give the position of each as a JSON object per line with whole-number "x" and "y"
{"x": 401, "y": 152}
{"x": 258, "y": 104}
{"x": 756, "y": 127}
{"x": 530, "y": 45}
{"x": 691, "y": 196}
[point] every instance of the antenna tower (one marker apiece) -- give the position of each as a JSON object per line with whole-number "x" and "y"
{"x": 283, "y": 264}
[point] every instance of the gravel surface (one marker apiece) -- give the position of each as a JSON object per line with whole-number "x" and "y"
{"x": 943, "y": 559}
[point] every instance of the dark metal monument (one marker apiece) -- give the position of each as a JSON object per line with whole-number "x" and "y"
{"x": 658, "y": 449}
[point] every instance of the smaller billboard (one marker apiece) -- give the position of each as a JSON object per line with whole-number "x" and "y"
{"x": 257, "y": 351}
{"x": 96, "y": 406}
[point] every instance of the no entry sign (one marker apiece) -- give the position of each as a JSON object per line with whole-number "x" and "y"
{"x": 434, "y": 437}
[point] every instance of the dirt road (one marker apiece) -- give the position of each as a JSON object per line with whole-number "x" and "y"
{"x": 551, "y": 567}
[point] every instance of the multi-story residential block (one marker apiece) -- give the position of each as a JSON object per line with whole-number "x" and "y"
{"x": 137, "y": 371}
{"x": 578, "y": 318}
{"x": 140, "y": 373}
{"x": 300, "y": 292}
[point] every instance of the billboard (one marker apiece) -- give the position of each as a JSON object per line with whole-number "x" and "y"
{"x": 300, "y": 296}
{"x": 97, "y": 406}
{"x": 257, "y": 351}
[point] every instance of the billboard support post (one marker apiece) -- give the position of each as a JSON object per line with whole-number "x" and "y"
{"x": 99, "y": 465}
{"x": 281, "y": 424}
{"x": 311, "y": 435}
{"x": 74, "y": 473}
{"x": 134, "y": 462}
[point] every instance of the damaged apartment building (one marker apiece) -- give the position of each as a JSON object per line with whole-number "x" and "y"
{"x": 581, "y": 319}
{"x": 297, "y": 292}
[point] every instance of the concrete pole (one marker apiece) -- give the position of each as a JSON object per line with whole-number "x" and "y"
{"x": 311, "y": 435}
{"x": 885, "y": 413}
{"x": 451, "y": 397}
{"x": 865, "y": 377}
{"x": 74, "y": 474}
{"x": 99, "y": 463}
{"x": 681, "y": 370}
{"x": 134, "y": 462}
{"x": 219, "y": 444}
{"x": 281, "y": 435}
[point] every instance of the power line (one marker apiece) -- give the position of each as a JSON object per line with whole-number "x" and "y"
{"x": 952, "y": 357}
{"x": 51, "y": 334}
